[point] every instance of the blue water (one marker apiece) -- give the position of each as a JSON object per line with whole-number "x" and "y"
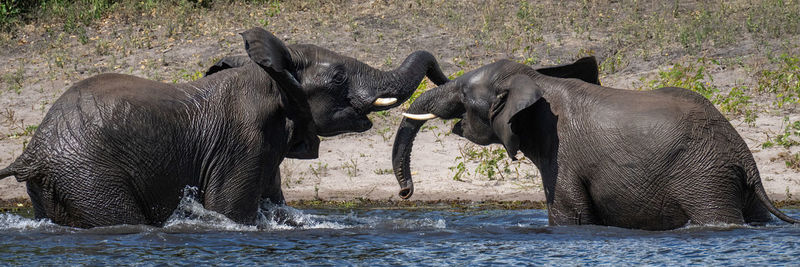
{"x": 392, "y": 237}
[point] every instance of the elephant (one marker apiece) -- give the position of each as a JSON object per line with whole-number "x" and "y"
{"x": 118, "y": 149}
{"x": 652, "y": 160}
{"x": 371, "y": 93}
{"x": 335, "y": 109}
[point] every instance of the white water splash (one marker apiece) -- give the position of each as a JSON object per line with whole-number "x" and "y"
{"x": 191, "y": 215}
{"x": 16, "y": 222}
{"x": 282, "y": 217}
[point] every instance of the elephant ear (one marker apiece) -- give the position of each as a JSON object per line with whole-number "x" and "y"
{"x": 519, "y": 94}
{"x": 585, "y": 69}
{"x": 271, "y": 54}
{"x": 228, "y": 62}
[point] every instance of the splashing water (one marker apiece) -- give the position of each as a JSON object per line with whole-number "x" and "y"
{"x": 195, "y": 236}
{"x": 16, "y": 222}
{"x": 287, "y": 236}
{"x": 190, "y": 215}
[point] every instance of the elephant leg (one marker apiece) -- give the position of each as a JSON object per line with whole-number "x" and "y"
{"x": 238, "y": 196}
{"x": 34, "y": 192}
{"x": 273, "y": 192}
{"x": 754, "y": 210}
{"x": 713, "y": 200}
{"x": 572, "y": 204}
{"x": 67, "y": 202}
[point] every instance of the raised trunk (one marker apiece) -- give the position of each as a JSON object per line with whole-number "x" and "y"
{"x": 443, "y": 102}
{"x": 401, "y": 82}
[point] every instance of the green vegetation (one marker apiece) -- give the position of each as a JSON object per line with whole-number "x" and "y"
{"x": 426, "y": 85}
{"x": 386, "y": 133}
{"x": 492, "y": 163}
{"x": 351, "y": 167}
{"x": 188, "y": 76}
{"x": 793, "y": 161}
{"x": 382, "y": 171}
{"x": 790, "y": 136}
{"x": 691, "y": 76}
{"x": 783, "y": 81}
{"x": 14, "y": 80}
{"x": 696, "y": 77}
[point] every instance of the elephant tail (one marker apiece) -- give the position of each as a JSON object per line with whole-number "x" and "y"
{"x": 762, "y": 195}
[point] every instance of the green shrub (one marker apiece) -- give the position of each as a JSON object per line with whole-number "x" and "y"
{"x": 784, "y": 81}
{"x": 691, "y": 76}
{"x": 9, "y": 13}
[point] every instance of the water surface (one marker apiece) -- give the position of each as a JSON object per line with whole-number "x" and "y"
{"x": 391, "y": 237}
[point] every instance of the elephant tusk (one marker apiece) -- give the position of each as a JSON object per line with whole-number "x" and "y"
{"x": 382, "y": 102}
{"x": 419, "y": 117}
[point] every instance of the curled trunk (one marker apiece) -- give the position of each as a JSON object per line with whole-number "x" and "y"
{"x": 401, "y": 82}
{"x": 401, "y": 155}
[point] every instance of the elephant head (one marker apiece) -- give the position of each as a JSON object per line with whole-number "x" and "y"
{"x": 484, "y": 103}
{"x": 341, "y": 90}
{"x": 271, "y": 54}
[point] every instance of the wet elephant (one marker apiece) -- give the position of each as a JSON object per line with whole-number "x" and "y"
{"x": 652, "y": 160}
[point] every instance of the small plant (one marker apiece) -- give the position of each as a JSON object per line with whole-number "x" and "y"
{"x": 383, "y": 115}
{"x": 457, "y": 74}
{"x": 382, "y": 171}
{"x": 492, "y": 162}
{"x": 319, "y": 171}
{"x": 14, "y": 80}
{"x": 786, "y": 139}
{"x": 421, "y": 88}
{"x": 459, "y": 169}
{"x": 184, "y": 75}
{"x": 273, "y": 9}
{"x": 386, "y": 133}
{"x": 9, "y": 13}
{"x": 351, "y": 167}
{"x": 287, "y": 170}
{"x": 692, "y": 76}
{"x": 784, "y": 82}
{"x": 388, "y": 61}
{"x": 793, "y": 161}
{"x": 613, "y": 63}
{"x": 27, "y": 131}
{"x": 736, "y": 102}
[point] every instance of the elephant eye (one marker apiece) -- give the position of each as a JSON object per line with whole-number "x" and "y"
{"x": 337, "y": 75}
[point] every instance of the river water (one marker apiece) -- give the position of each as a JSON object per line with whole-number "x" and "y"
{"x": 391, "y": 237}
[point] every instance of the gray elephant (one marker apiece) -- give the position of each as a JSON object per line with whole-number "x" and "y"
{"x": 117, "y": 149}
{"x": 342, "y": 90}
{"x": 650, "y": 160}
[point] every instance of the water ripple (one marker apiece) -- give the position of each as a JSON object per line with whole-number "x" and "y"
{"x": 287, "y": 236}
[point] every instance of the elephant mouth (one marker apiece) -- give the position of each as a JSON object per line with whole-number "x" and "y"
{"x": 359, "y": 126}
{"x": 458, "y": 128}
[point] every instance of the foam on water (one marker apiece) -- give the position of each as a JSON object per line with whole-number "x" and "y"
{"x": 16, "y": 222}
{"x": 191, "y": 216}
{"x": 286, "y": 236}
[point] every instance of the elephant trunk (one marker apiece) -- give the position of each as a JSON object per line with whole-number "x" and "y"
{"x": 401, "y": 155}
{"x": 401, "y": 82}
{"x": 444, "y": 102}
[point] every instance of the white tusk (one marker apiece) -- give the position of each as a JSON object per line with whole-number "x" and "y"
{"x": 382, "y": 102}
{"x": 419, "y": 117}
